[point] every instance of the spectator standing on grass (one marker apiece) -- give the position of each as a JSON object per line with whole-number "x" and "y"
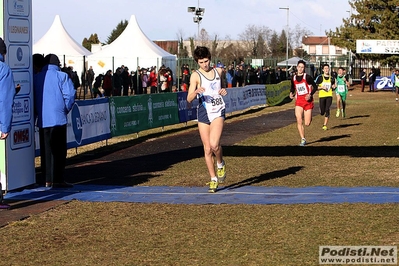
{"x": 90, "y": 79}
{"x": 205, "y": 84}
{"x": 7, "y": 94}
{"x": 54, "y": 97}
{"x": 363, "y": 78}
{"x": 303, "y": 88}
{"x": 185, "y": 79}
{"x": 144, "y": 80}
{"x": 133, "y": 81}
{"x": 372, "y": 78}
{"x": 153, "y": 80}
{"x": 107, "y": 83}
{"x": 163, "y": 80}
{"x": 239, "y": 76}
{"x": 117, "y": 82}
{"x": 170, "y": 79}
{"x": 125, "y": 77}
{"x": 230, "y": 76}
{"x": 74, "y": 77}
{"x": 37, "y": 63}
{"x": 97, "y": 86}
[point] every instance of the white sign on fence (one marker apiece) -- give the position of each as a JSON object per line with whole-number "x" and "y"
{"x": 377, "y": 46}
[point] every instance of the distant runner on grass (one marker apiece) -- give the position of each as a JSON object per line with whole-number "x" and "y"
{"x": 326, "y": 84}
{"x": 302, "y": 89}
{"x": 205, "y": 84}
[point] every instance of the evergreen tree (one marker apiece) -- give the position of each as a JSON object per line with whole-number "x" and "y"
{"x": 117, "y": 31}
{"x": 182, "y": 49}
{"x": 214, "y": 46}
{"x": 282, "y": 44}
{"x": 371, "y": 19}
{"x": 192, "y": 46}
{"x": 273, "y": 45}
{"x": 93, "y": 39}
{"x": 260, "y": 47}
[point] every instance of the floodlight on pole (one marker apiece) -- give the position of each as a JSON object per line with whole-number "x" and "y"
{"x": 288, "y": 27}
{"x": 198, "y": 14}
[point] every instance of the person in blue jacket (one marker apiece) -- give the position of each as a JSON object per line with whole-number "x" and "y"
{"x": 8, "y": 91}
{"x": 54, "y": 96}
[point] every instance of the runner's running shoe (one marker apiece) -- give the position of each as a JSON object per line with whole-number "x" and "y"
{"x": 213, "y": 186}
{"x": 343, "y": 113}
{"x": 324, "y": 127}
{"x": 221, "y": 173}
{"x": 303, "y": 142}
{"x": 337, "y": 114}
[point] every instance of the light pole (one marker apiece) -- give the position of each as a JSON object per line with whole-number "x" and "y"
{"x": 288, "y": 26}
{"x": 198, "y": 14}
{"x": 350, "y": 50}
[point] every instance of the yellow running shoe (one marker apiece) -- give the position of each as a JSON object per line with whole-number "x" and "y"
{"x": 324, "y": 127}
{"x": 337, "y": 114}
{"x": 213, "y": 186}
{"x": 221, "y": 173}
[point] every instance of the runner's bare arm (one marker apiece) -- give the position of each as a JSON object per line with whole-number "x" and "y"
{"x": 193, "y": 90}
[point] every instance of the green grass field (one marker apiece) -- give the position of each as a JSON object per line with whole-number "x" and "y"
{"x": 360, "y": 150}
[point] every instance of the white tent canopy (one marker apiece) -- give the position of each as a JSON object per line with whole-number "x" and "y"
{"x": 58, "y": 41}
{"x": 132, "y": 49}
{"x": 293, "y": 61}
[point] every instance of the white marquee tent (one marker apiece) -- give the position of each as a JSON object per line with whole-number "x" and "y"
{"x": 58, "y": 41}
{"x": 132, "y": 48}
{"x": 293, "y": 61}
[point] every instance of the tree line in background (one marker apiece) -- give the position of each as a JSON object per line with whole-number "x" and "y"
{"x": 368, "y": 19}
{"x": 254, "y": 42}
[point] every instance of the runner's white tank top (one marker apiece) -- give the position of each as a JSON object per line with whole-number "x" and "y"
{"x": 211, "y": 99}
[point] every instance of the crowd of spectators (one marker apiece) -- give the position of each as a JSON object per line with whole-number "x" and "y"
{"x": 123, "y": 82}
{"x": 240, "y": 75}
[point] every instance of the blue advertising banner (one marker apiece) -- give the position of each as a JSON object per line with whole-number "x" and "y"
{"x": 187, "y": 111}
{"x": 383, "y": 83}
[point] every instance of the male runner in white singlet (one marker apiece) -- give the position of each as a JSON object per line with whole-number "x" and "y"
{"x": 205, "y": 84}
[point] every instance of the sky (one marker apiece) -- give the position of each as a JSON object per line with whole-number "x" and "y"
{"x": 167, "y": 19}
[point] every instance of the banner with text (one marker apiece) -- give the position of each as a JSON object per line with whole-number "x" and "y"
{"x": 88, "y": 122}
{"x": 377, "y": 46}
{"x": 245, "y": 97}
{"x": 187, "y": 111}
{"x": 276, "y": 93}
{"x": 134, "y": 114}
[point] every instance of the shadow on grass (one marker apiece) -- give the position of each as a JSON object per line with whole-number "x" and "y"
{"x": 137, "y": 170}
{"x": 265, "y": 177}
{"x": 331, "y": 138}
{"x": 358, "y": 116}
{"x": 347, "y": 125}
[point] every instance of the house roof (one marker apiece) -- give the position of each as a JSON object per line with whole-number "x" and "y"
{"x": 315, "y": 40}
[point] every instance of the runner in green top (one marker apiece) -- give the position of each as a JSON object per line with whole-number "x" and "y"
{"x": 341, "y": 92}
{"x": 396, "y": 83}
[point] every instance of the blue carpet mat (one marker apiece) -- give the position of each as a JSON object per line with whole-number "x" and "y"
{"x": 225, "y": 195}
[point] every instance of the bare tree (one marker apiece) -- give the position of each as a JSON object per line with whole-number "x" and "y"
{"x": 182, "y": 50}
{"x": 255, "y": 38}
{"x": 296, "y": 35}
{"x": 203, "y": 38}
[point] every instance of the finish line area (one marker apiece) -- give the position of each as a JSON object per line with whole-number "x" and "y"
{"x": 199, "y": 195}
